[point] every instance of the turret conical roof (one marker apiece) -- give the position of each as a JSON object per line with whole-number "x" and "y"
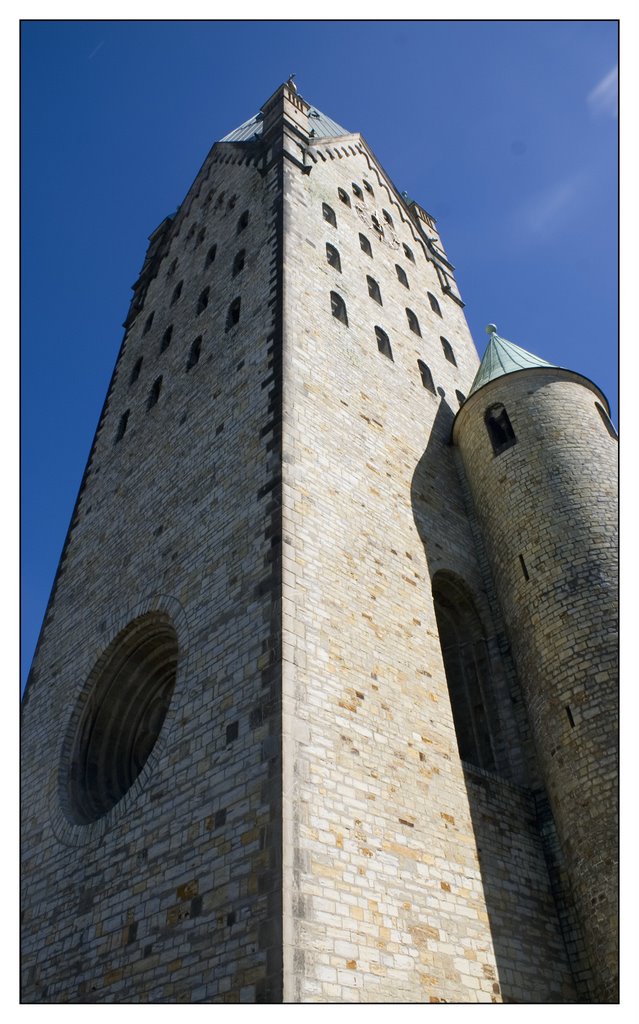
{"x": 501, "y": 357}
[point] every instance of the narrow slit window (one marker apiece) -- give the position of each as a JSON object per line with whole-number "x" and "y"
{"x": 135, "y": 373}
{"x": 200, "y": 236}
{"x": 233, "y": 315}
{"x": 427, "y": 377}
{"x": 202, "y": 302}
{"x": 149, "y": 323}
{"x": 413, "y": 322}
{"x": 499, "y": 427}
{"x": 448, "y": 351}
{"x": 373, "y": 289}
{"x": 383, "y": 343}
{"x": 344, "y": 196}
{"x": 243, "y": 221}
{"x": 357, "y": 191}
{"x": 332, "y": 257}
{"x": 166, "y": 338}
{"x": 338, "y": 308}
{"x": 524, "y": 567}
{"x": 434, "y": 304}
{"x": 401, "y": 276}
{"x": 387, "y": 217}
{"x": 194, "y": 354}
{"x": 329, "y": 214}
{"x": 365, "y": 245}
{"x": 408, "y": 253}
{"x": 238, "y": 262}
{"x": 177, "y": 292}
{"x": 170, "y": 272}
{"x": 154, "y": 393}
{"x": 122, "y": 425}
{"x": 210, "y": 256}
{"x": 606, "y": 421}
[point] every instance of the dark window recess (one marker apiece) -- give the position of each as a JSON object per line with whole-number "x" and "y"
{"x": 232, "y": 202}
{"x": 434, "y": 304}
{"x": 427, "y": 377}
{"x": 365, "y": 245}
{"x": 461, "y": 397}
{"x": 467, "y": 666}
{"x": 332, "y": 257}
{"x": 220, "y": 817}
{"x": 190, "y": 233}
{"x": 570, "y": 718}
{"x": 523, "y": 567}
{"x": 357, "y": 191}
{"x": 154, "y": 393}
{"x": 368, "y": 186}
{"x": 149, "y": 323}
{"x": 177, "y": 292}
{"x": 243, "y": 221}
{"x": 387, "y": 217}
{"x": 413, "y": 322}
{"x": 230, "y": 918}
{"x": 200, "y": 237}
{"x": 232, "y": 732}
{"x": 121, "y": 431}
{"x": 166, "y": 338}
{"x": 170, "y": 272}
{"x": 233, "y": 314}
{"x": 606, "y": 420}
{"x": 219, "y": 200}
{"x": 202, "y": 302}
{"x": 373, "y": 289}
{"x": 401, "y": 276}
{"x": 135, "y": 372}
{"x": 383, "y": 343}
{"x": 338, "y": 308}
{"x": 210, "y": 256}
{"x": 194, "y": 354}
{"x": 448, "y": 351}
{"x": 500, "y": 431}
{"x": 408, "y": 253}
{"x": 378, "y": 227}
{"x": 344, "y": 197}
{"x": 329, "y": 214}
{"x": 209, "y": 196}
{"x": 238, "y": 262}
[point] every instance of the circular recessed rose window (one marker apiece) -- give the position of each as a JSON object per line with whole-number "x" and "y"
{"x": 119, "y": 718}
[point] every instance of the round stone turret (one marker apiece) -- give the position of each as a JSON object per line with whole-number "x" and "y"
{"x": 540, "y": 455}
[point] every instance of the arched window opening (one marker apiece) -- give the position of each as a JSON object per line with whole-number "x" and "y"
{"x": 233, "y": 314}
{"x": 378, "y": 227}
{"x": 202, "y": 302}
{"x": 219, "y": 200}
{"x": 166, "y": 338}
{"x": 357, "y": 191}
{"x": 368, "y": 186}
{"x": 413, "y": 322}
{"x": 448, "y": 351}
{"x": 373, "y": 289}
{"x": 177, "y": 292}
{"x": 467, "y": 667}
{"x": 408, "y": 253}
{"x": 338, "y": 308}
{"x": 329, "y": 214}
{"x": 231, "y": 203}
{"x": 383, "y": 343}
{"x": 149, "y": 322}
{"x": 499, "y": 427}
{"x": 154, "y": 393}
{"x": 387, "y": 217}
{"x": 344, "y": 196}
{"x": 461, "y": 398}
{"x": 365, "y": 245}
{"x": 194, "y": 354}
{"x": 135, "y": 373}
{"x": 427, "y": 377}
{"x": 243, "y": 221}
{"x": 401, "y": 276}
{"x": 332, "y": 257}
{"x": 238, "y": 262}
{"x": 434, "y": 304}
{"x": 121, "y": 431}
{"x": 200, "y": 236}
{"x": 210, "y": 256}
{"x": 607, "y": 421}
{"x": 170, "y": 272}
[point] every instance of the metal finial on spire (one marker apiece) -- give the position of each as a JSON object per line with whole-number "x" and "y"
{"x": 491, "y": 329}
{"x": 291, "y": 83}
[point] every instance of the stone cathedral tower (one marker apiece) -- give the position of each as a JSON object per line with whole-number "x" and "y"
{"x": 323, "y": 706}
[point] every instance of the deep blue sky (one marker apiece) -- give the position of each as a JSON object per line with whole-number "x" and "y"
{"x": 505, "y": 132}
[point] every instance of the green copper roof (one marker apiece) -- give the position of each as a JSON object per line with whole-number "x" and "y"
{"x": 320, "y": 126}
{"x": 503, "y": 357}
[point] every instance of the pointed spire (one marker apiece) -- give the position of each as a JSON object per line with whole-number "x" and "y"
{"x": 501, "y": 357}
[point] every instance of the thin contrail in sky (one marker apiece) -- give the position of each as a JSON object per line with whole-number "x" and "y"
{"x": 93, "y": 53}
